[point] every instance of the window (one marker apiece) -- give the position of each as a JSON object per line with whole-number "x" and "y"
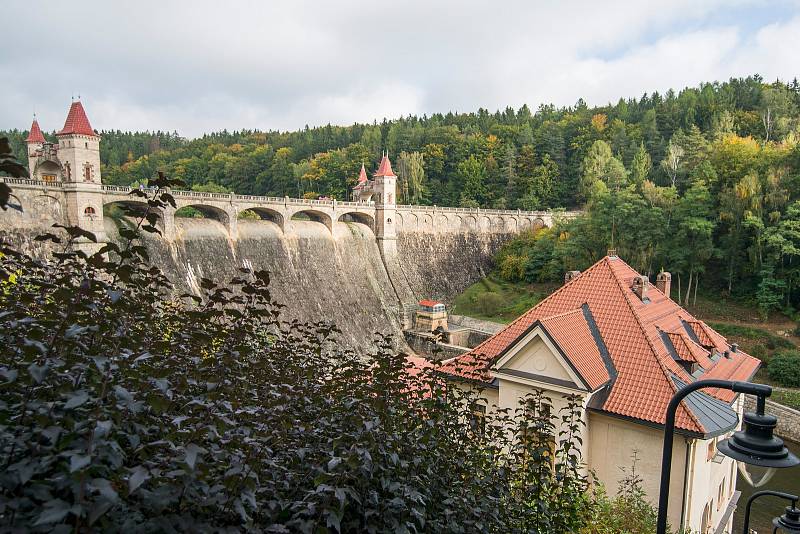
{"x": 89, "y": 212}
{"x": 49, "y": 177}
{"x": 477, "y": 418}
{"x": 86, "y": 145}
{"x": 87, "y": 172}
{"x": 68, "y": 170}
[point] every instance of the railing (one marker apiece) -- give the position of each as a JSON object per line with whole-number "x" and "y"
{"x": 35, "y": 183}
{"x": 232, "y": 197}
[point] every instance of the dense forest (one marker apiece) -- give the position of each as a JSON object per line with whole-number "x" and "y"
{"x": 703, "y": 182}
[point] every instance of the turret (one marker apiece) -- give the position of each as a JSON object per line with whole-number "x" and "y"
{"x": 35, "y": 141}
{"x": 79, "y": 147}
{"x": 385, "y": 189}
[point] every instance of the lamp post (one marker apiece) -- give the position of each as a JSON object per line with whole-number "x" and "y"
{"x": 755, "y": 445}
{"x": 788, "y": 522}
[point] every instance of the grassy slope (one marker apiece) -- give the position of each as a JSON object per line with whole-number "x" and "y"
{"x": 493, "y": 299}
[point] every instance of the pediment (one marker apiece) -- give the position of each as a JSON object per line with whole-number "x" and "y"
{"x": 536, "y": 357}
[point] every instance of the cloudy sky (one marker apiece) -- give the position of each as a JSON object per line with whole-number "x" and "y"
{"x": 202, "y": 66}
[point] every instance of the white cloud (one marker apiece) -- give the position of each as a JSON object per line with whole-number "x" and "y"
{"x": 204, "y": 66}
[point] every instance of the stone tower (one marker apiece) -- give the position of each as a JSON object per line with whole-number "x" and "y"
{"x": 35, "y": 142}
{"x": 385, "y": 194}
{"x": 79, "y": 153}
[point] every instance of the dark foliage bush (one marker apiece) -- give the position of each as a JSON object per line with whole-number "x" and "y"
{"x": 124, "y": 408}
{"x": 784, "y": 368}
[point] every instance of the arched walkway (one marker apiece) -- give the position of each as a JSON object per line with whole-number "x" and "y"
{"x": 360, "y": 218}
{"x": 267, "y": 214}
{"x": 314, "y": 215}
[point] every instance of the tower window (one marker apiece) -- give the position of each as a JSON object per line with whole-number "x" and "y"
{"x": 89, "y": 212}
{"x": 87, "y": 173}
{"x": 86, "y": 145}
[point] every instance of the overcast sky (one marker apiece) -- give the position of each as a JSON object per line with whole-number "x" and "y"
{"x": 203, "y": 66}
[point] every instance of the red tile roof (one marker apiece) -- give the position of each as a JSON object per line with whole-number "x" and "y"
{"x": 36, "y": 135}
{"x": 385, "y": 168}
{"x": 630, "y": 329}
{"x": 689, "y": 351}
{"x": 362, "y": 176}
{"x": 573, "y": 334}
{"x": 427, "y": 302}
{"x": 77, "y": 122}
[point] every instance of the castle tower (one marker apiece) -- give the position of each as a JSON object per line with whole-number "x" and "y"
{"x": 79, "y": 153}
{"x": 35, "y": 142}
{"x": 79, "y": 147}
{"x": 385, "y": 195}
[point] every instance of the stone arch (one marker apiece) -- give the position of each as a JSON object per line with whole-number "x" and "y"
{"x": 470, "y": 223}
{"x": 314, "y": 215}
{"x": 538, "y": 223}
{"x": 132, "y": 208}
{"x": 484, "y": 223}
{"x": 210, "y": 212}
{"x": 267, "y": 214}
{"x": 44, "y": 206}
{"x": 48, "y": 171}
{"x": 442, "y": 221}
{"x": 512, "y": 224}
{"x": 411, "y": 222}
{"x": 498, "y": 224}
{"x": 427, "y": 222}
{"x": 525, "y": 224}
{"x": 359, "y": 218}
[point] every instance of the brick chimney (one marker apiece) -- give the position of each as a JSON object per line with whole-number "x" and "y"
{"x": 570, "y": 276}
{"x": 663, "y": 281}
{"x": 640, "y": 284}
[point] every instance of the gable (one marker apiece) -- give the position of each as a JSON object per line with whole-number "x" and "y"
{"x": 536, "y": 357}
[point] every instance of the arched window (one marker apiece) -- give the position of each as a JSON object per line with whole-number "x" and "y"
{"x": 89, "y": 212}
{"x": 68, "y": 170}
{"x": 87, "y": 172}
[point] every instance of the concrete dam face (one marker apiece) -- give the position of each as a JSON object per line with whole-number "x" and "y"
{"x": 335, "y": 276}
{"x": 360, "y": 265}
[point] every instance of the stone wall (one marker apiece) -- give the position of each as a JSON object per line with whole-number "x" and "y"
{"x": 788, "y": 418}
{"x": 441, "y": 266}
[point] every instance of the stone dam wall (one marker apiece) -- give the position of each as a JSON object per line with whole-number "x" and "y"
{"x": 319, "y": 274}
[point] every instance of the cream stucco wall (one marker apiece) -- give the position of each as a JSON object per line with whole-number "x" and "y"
{"x": 537, "y": 358}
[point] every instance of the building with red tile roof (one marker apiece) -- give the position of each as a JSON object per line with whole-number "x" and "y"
{"x": 624, "y": 347}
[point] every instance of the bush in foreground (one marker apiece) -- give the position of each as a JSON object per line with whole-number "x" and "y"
{"x": 124, "y": 408}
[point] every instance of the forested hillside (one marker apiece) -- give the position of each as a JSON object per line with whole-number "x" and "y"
{"x": 704, "y": 182}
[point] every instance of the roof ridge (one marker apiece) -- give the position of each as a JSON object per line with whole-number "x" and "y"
{"x": 653, "y": 350}
{"x": 525, "y": 315}
{"x": 562, "y": 314}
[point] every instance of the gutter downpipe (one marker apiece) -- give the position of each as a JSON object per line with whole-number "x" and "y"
{"x": 688, "y": 478}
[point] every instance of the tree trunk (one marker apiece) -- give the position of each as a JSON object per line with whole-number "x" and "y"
{"x": 696, "y": 282}
{"x": 679, "y": 288}
{"x": 688, "y": 289}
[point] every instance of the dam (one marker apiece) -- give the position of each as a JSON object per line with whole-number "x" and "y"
{"x": 361, "y": 264}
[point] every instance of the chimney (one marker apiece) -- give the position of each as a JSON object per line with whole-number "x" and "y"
{"x": 639, "y": 287}
{"x": 663, "y": 281}
{"x": 569, "y": 276}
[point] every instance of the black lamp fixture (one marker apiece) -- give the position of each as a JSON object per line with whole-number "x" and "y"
{"x": 757, "y": 451}
{"x": 788, "y": 522}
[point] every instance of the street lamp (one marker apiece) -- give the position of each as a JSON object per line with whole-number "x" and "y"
{"x": 758, "y": 453}
{"x": 788, "y": 522}
{"x": 755, "y": 445}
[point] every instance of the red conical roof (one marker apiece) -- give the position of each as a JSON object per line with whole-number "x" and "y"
{"x": 362, "y": 176}
{"x": 77, "y": 122}
{"x": 36, "y": 134}
{"x": 385, "y": 168}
